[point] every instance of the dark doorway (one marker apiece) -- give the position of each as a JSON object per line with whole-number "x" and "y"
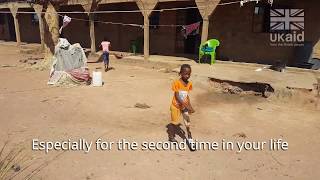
{"x": 12, "y": 31}
{"x": 192, "y": 42}
{"x": 8, "y": 32}
{"x": 29, "y": 26}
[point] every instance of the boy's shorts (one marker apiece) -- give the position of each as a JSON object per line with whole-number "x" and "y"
{"x": 176, "y": 114}
{"x": 105, "y": 57}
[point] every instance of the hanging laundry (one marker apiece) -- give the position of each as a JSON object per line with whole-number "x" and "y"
{"x": 246, "y": 1}
{"x": 191, "y": 29}
{"x": 195, "y": 32}
{"x": 66, "y": 21}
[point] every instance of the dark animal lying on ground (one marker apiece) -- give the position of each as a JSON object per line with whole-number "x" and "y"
{"x": 278, "y": 66}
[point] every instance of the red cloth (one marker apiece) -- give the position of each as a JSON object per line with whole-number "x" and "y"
{"x": 190, "y": 28}
{"x": 80, "y": 74}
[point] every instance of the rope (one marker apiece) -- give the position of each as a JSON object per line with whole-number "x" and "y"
{"x": 106, "y": 22}
{"x": 124, "y": 24}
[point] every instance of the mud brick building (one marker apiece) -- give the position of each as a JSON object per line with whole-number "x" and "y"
{"x": 244, "y": 32}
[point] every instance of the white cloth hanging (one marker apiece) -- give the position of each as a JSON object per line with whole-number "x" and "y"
{"x": 245, "y": 1}
{"x": 66, "y": 21}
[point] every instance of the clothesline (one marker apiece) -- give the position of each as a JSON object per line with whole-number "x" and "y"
{"x": 106, "y": 22}
{"x": 186, "y": 30}
{"x": 128, "y": 24}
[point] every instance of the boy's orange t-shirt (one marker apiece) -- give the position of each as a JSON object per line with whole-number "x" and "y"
{"x": 183, "y": 90}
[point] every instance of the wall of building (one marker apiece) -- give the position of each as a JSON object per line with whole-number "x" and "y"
{"x": 120, "y": 36}
{"x": 169, "y": 40}
{"x": 233, "y": 26}
{"x": 162, "y": 39}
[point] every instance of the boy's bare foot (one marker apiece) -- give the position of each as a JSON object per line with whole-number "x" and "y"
{"x": 191, "y": 110}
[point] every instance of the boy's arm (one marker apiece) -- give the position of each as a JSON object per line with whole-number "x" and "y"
{"x": 189, "y": 107}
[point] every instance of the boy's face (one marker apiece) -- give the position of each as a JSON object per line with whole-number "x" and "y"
{"x": 185, "y": 74}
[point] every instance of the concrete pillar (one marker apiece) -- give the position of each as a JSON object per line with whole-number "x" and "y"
{"x": 91, "y": 6}
{"x": 144, "y": 6}
{"x": 14, "y": 11}
{"x": 146, "y": 39}
{"x": 205, "y": 30}
{"x": 51, "y": 29}
{"x": 38, "y": 10}
{"x": 92, "y": 33}
{"x": 206, "y": 8}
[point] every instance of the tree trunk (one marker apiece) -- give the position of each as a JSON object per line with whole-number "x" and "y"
{"x": 51, "y": 30}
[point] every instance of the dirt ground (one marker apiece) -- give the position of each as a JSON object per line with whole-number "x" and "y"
{"x": 30, "y": 109}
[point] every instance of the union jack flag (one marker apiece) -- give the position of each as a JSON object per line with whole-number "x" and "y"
{"x": 286, "y": 19}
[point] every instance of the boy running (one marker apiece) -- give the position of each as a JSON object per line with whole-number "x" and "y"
{"x": 105, "y": 48}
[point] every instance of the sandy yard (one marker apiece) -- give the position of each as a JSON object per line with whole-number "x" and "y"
{"x": 30, "y": 109}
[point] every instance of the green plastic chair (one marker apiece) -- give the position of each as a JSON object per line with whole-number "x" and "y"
{"x": 135, "y": 45}
{"x": 212, "y": 44}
